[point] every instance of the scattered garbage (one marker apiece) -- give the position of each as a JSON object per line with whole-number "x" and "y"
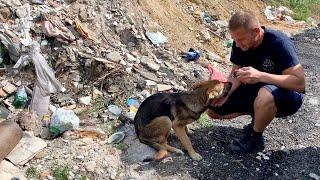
{"x": 133, "y": 102}
{"x": 156, "y": 37}
{"x": 229, "y": 43}
{"x": 116, "y": 137}
{"x": 21, "y": 98}
{"x": 10, "y": 135}
{"x": 63, "y": 120}
{"x": 191, "y": 55}
{"x": 281, "y": 13}
{"x": 115, "y": 110}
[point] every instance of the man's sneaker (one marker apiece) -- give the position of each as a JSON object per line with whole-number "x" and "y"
{"x": 248, "y": 128}
{"x": 248, "y": 143}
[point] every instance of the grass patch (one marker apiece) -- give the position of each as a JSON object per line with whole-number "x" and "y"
{"x": 85, "y": 177}
{"x": 205, "y": 122}
{"x": 60, "y": 172}
{"x": 98, "y": 106}
{"x": 32, "y": 172}
{"x": 302, "y": 9}
{"x": 120, "y": 146}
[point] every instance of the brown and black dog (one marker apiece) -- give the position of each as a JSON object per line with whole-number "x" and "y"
{"x": 160, "y": 112}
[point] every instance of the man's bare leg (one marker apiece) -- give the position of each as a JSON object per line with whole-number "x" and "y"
{"x": 264, "y": 112}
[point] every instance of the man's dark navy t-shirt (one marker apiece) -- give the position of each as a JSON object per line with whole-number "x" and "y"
{"x": 275, "y": 54}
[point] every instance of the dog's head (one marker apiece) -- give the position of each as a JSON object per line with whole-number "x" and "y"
{"x": 214, "y": 89}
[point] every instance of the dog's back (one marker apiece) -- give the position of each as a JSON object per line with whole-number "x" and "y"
{"x": 155, "y": 106}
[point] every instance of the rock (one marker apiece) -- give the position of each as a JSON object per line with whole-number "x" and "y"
{"x": 114, "y": 57}
{"x": 163, "y": 87}
{"x": 130, "y": 58}
{"x": 90, "y": 166}
{"x": 148, "y": 75}
{"x": 135, "y": 147}
{"x": 5, "y": 14}
{"x": 96, "y": 93}
{"x": 150, "y": 63}
{"x": 150, "y": 83}
{"x": 9, "y": 88}
{"x": 85, "y": 100}
{"x": 156, "y": 38}
{"x": 29, "y": 121}
{"x": 314, "y": 101}
{"x": 206, "y": 35}
{"x": 80, "y": 157}
{"x": 314, "y": 176}
{"x": 214, "y": 57}
{"x": 2, "y": 93}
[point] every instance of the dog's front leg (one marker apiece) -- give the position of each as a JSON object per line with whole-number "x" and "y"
{"x": 180, "y": 132}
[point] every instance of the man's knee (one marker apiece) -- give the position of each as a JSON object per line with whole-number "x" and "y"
{"x": 264, "y": 99}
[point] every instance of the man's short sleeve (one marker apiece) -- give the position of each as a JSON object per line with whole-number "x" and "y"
{"x": 234, "y": 58}
{"x": 285, "y": 54}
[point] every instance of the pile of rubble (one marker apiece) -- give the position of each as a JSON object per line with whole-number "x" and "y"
{"x": 72, "y": 64}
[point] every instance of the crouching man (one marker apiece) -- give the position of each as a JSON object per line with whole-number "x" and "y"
{"x": 267, "y": 79}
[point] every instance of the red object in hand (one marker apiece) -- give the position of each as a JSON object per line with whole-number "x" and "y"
{"x": 216, "y": 75}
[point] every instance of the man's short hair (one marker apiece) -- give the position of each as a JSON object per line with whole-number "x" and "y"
{"x": 244, "y": 19}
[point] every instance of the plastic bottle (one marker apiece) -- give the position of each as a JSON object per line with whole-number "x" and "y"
{"x": 21, "y": 98}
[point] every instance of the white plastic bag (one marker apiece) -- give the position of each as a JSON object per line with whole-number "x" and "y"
{"x": 45, "y": 76}
{"x": 63, "y": 120}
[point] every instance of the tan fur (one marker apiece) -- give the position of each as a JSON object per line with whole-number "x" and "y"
{"x": 195, "y": 102}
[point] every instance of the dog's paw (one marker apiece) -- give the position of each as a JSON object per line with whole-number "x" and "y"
{"x": 196, "y": 157}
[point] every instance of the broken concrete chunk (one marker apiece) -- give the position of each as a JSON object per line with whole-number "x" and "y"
{"x": 8, "y": 171}
{"x": 156, "y": 37}
{"x": 114, "y": 57}
{"x": 9, "y": 88}
{"x": 130, "y": 58}
{"x": 163, "y": 87}
{"x": 29, "y": 145}
{"x": 85, "y": 100}
{"x": 150, "y": 83}
{"x": 150, "y": 63}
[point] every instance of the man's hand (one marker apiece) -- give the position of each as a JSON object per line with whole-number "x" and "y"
{"x": 248, "y": 75}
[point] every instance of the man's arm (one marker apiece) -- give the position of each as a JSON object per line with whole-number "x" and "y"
{"x": 291, "y": 79}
